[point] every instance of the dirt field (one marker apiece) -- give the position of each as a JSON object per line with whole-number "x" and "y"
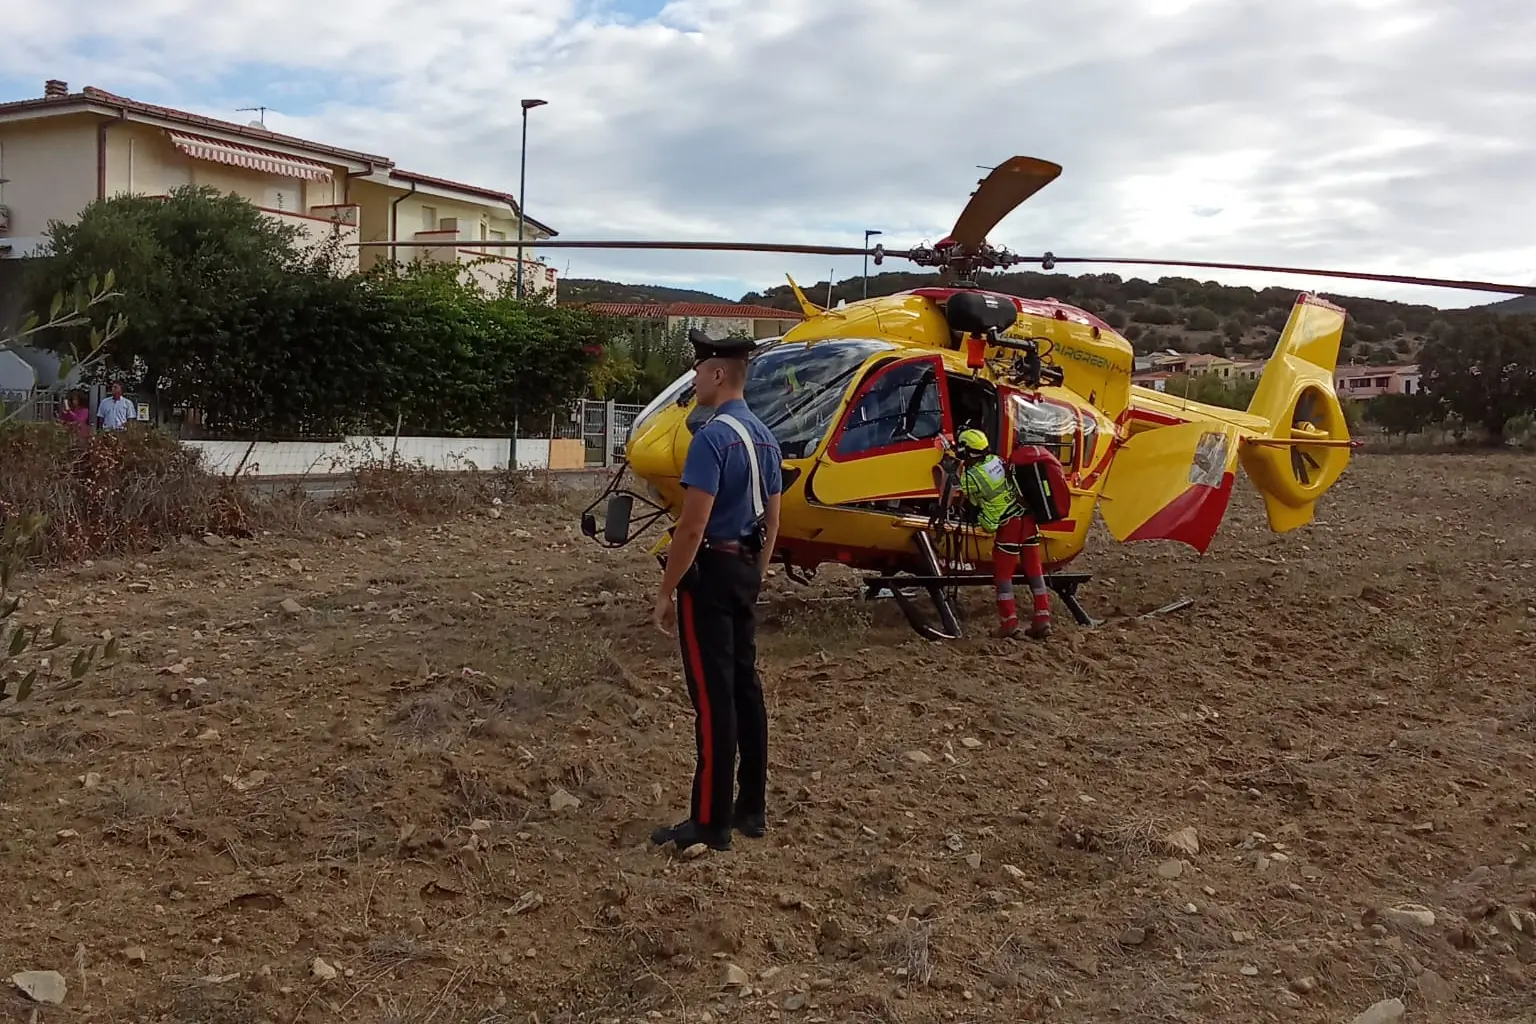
{"x": 424, "y": 795}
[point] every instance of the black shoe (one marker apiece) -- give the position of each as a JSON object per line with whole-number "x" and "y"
{"x": 686, "y": 833}
{"x": 751, "y": 825}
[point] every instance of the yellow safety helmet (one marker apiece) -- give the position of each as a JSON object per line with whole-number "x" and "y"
{"x": 972, "y": 442}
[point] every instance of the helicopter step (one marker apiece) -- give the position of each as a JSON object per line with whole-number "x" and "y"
{"x": 901, "y": 587}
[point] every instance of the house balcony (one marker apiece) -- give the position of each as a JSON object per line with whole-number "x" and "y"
{"x": 320, "y": 226}
{"x": 490, "y": 268}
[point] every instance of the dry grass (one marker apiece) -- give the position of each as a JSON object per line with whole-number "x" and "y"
{"x": 121, "y": 494}
{"x": 112, "y": 494}
{"x": 382, "y": 482}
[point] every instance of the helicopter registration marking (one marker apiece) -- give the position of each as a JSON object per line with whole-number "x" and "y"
{"x": 1090, "y": 358}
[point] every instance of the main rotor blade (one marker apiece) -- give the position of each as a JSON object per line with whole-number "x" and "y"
{"x": 1354, "y": 275}
{"x": 1011, "y": 259}
{"x": 1010, "y": 183}
{"x": 812, "y": 250}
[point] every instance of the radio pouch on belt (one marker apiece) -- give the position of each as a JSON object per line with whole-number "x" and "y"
{"x": 1041, "y": 482}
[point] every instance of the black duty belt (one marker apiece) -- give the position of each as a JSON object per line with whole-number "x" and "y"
{"x": 743, "y": 548}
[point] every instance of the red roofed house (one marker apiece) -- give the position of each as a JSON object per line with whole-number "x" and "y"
{"x": 60, "y": 151}
{"x": 718, "y": 320}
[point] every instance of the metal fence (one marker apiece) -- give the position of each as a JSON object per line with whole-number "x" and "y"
{"x": 31, "y": 406}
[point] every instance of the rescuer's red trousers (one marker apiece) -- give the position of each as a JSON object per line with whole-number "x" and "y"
{"x": 1018, "y": 537}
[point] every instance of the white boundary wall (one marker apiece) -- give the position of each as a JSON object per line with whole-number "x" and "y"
{"x": 321, "y": 458}
{"x": 594, "y": 427}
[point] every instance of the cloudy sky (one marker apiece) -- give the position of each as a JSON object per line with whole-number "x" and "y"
{"x": 1385, "y": 135}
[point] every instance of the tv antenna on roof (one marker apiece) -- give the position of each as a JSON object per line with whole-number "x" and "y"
{"x": 262, "y": 112}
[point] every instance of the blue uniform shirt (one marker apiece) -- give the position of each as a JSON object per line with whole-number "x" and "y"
{"x": 717, "y": 464}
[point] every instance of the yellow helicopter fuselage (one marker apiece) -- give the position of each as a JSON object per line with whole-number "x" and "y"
{"x": 859, "y": 394}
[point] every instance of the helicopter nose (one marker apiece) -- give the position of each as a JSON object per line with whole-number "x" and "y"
{"x": 655, "y": 455}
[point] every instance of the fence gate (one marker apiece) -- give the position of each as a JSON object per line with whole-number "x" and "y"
{"x": 605, "y": 430}
{"x": 621, "y": 418}
{"x": 594, "y": 431}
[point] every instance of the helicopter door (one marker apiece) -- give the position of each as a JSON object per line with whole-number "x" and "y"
{"x": 883, "y": 448}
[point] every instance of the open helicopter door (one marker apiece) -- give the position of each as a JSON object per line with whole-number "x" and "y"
{"x": 1172, "y": 483}
{"x": 882, "y": 449}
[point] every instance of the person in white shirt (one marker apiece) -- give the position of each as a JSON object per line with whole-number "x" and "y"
{"x": 114, "y": 413}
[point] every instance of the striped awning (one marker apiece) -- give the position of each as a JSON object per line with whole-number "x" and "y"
{"x": 236, "y": 154}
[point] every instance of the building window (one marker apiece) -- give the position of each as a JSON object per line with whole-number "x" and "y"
{"x": 429, "y": 218}
{"x": 284, "y": 197}
{"x": 499, "y": 236}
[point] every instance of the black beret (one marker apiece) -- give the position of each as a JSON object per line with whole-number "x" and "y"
{"x": 705, "y": 347}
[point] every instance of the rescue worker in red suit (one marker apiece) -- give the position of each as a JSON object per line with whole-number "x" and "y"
{"x": 1010, "y": 512}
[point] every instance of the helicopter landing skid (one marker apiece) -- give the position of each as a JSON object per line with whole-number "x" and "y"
{"x": 902, "y": 587}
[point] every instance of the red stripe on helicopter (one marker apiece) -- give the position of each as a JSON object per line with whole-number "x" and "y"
{"x": 1191, "y": 518}
{"x": 1162, "y": 419}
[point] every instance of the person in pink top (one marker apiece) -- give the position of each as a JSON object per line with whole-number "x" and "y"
{"x": 76, "y": 414}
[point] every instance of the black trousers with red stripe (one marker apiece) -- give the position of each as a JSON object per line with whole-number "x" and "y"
{"x": 717, "y": 628}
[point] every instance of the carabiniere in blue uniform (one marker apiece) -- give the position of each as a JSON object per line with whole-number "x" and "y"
{"x": 736, "y": 459}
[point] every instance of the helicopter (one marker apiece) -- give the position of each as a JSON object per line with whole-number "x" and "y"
{"x": 862, "y": 396}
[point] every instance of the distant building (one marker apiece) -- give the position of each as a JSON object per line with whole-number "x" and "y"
{"x": 1157, "y": 380}
{"x": 716, "y": 319}
{"x": 1159, "y": 369}
{"x": 61, "y": 151}
{"x": 1369, "y": 381}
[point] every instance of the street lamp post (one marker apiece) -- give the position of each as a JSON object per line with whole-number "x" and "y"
{"x": 867, "y": 236}
{"x": 522, "y": 191}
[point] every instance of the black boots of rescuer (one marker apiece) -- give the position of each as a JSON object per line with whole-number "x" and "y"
{"x": 686, "y": 833}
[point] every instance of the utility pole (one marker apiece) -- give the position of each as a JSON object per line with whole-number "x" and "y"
{"x": 867, "y": 236}
{"x": 522, "y": 191}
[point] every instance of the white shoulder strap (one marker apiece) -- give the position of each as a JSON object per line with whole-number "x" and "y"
{"x": 751, "y": 445}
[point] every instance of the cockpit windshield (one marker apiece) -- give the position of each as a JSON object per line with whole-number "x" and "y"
{"x": 795, "y": 388}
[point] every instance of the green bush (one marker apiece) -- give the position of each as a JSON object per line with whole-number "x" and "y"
{"x": 1403, "y": 414}
{"x": 1160, "y": 315}
{"x": 227, "y": 315}
{"x": 1202, "y": 319}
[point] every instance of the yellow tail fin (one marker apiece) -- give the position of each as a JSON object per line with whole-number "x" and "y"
{"x": 1307, "y": 444}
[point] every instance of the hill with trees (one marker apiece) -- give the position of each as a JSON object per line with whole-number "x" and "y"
{"x": 576, "y": 290}
{"x": 1518, "y": 304}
